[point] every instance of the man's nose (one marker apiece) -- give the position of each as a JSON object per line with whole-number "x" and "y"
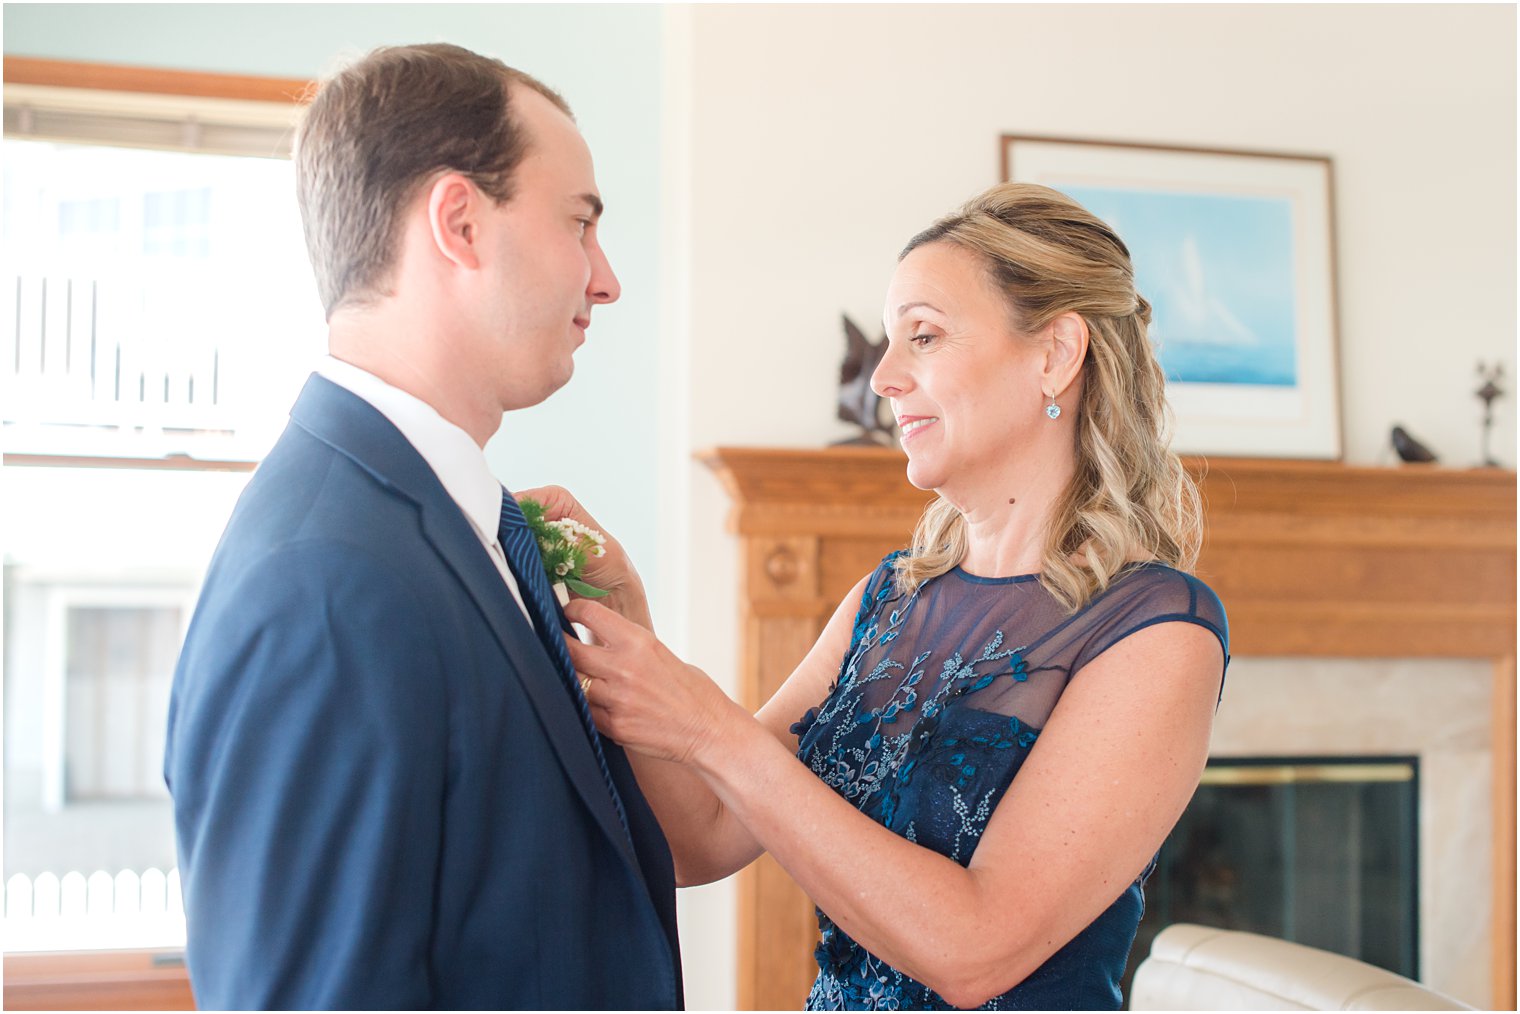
{"x": 604, "y": 286}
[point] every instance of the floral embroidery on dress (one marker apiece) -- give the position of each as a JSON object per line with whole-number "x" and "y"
{"x": 883, "y": 734}
{"x": 930, "y": 719}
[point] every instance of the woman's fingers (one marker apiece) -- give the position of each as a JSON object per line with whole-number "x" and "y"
{"x": 582, "y": 656}
{"x": 620, "y": 654}
{"x": 558, "y": 503}
{"x": 606, "y": 626}
{"x": 600, "y": 716}
{"x": 632, "y": 686}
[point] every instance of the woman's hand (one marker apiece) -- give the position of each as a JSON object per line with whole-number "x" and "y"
{"x": 642, "y": 695}
{"x": 613, "y": 572}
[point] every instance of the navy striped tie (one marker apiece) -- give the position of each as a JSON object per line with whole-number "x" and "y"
{"x": 521, "y": 548}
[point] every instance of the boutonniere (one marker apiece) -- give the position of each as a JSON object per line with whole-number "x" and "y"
{"x": 564, "y": 546}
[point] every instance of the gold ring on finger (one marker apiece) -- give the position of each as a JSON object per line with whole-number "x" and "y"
{"x": 585, "y": 686}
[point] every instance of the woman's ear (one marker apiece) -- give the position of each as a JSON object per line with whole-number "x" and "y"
{"x": 1065, "y": 354}
{"x": 453, "y": 205}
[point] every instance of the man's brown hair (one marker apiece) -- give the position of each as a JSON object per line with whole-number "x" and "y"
{"x": 377, "y": 132}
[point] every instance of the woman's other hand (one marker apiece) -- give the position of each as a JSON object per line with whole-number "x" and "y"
{"x": 613, "y": 572}
{"x": 642, "y": 695}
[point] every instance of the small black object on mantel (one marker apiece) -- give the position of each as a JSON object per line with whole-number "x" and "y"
{"x": 1409, "y": 449}
{"x": 1488, "y": 392}
{"x": 857, "y": 402}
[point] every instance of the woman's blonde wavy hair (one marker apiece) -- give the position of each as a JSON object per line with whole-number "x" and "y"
{"x": 1130, "y": 498}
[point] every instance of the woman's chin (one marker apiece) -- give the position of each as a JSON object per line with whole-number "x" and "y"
{"x": 923, "y": 475}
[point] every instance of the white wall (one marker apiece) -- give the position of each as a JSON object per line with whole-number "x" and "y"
{"x": 822, "y": 137}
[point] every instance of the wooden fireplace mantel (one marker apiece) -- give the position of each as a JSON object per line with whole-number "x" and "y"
{"x": 1310, "y": 558}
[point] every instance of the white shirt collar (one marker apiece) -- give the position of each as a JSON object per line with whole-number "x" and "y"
{"x": 450, "y": 452}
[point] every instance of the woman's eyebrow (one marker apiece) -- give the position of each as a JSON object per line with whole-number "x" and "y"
{"x": 915, "y": 305}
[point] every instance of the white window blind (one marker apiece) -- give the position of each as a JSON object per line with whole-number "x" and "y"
{"x": 139, "y": 120}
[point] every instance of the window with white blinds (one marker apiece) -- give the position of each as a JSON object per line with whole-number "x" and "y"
{"x": 157, "y": 300}
{"x": 140, "y": 120}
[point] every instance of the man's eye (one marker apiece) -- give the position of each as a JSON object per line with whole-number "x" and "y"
{"x": 921, "y": 339}
{"x": 584, "y": 223}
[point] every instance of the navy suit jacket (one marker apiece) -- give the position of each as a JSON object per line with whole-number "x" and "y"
{"x": 383, "y": 794}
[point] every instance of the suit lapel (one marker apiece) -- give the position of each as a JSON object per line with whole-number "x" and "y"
{"x": 354, "y": 428}
{"x": 462, "y": 551}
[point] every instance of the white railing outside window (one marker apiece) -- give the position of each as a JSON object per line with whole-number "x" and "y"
{"x": 89, "y": 359}
{"x": 153, "y": 304}
{"x": 76, "y": 912}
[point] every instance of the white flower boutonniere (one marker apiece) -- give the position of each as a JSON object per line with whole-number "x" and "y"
{"x": 564, "y": 546}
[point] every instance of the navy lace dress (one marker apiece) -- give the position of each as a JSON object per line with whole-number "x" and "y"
{"x": 940, "y": 698}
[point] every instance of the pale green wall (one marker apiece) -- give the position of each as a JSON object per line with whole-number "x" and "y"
{"x": 598, "y": 435}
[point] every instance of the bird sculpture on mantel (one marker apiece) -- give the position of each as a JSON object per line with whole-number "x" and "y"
{"x": 857, "y": 402}
{"x": 1409, "y": 449}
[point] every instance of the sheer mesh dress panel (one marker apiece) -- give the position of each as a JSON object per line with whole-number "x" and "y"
{"x": 939, "y": 700}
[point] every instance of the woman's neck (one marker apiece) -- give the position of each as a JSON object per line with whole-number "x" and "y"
{"x": 1008, "y": 514}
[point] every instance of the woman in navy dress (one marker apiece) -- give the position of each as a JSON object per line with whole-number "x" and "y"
{"x": 1001, "y": 723}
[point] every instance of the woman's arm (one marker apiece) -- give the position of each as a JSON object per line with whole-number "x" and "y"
{"x": 1106, "y": 781}
{"x": 706, "y": 841}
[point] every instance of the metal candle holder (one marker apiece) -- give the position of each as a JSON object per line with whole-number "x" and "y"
{"x": 1488, "y": 392}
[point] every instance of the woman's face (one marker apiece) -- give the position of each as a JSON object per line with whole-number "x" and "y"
{"x": 964, "y": 384}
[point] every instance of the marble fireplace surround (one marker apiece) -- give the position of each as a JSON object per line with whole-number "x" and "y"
{"x": 1436, "y": 710}
{"x": 1372, "y": 610}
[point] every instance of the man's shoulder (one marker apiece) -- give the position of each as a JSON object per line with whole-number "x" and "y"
{"x": 309, "y": 523}
{"x": 306, "y": 487}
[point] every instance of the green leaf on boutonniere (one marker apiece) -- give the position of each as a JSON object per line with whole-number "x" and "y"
{"x": 585, "y": 590}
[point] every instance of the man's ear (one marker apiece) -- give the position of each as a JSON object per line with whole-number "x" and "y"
{"x": 453, "y": 208}
{"x": 1065, "y": 354}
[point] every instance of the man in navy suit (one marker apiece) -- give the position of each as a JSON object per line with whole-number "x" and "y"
{"x": 386, "y": 791}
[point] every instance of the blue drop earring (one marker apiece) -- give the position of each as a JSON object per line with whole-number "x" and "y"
{"x": 1053, "y": 410}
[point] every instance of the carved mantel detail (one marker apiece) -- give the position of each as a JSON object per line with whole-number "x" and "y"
{"x": 1310, "y": 559}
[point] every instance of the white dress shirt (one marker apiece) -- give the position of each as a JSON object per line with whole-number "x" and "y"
{"x": 449, "y": 451}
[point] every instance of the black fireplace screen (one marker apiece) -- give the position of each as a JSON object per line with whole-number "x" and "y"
{"x": 1317, "y": 850}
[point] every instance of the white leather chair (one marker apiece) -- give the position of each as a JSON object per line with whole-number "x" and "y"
{"x": 1200, "y": 968}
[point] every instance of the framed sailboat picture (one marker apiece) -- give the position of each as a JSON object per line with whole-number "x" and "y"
{"x": 1236, "y": 253}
